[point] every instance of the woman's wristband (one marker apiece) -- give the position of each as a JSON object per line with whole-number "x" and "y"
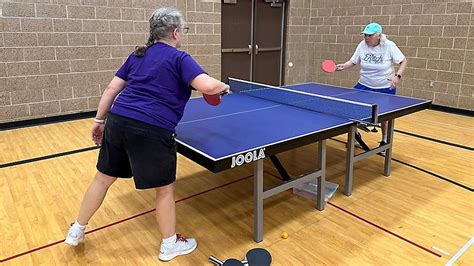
{"x": 99, "y": 121}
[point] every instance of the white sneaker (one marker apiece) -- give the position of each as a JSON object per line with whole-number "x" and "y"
{"x": 383, "y": 153}
{"x": 182, "y": 246}
{"x": 75, "y": 235}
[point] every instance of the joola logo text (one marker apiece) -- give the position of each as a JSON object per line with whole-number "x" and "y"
{"x": 248, "y": 157}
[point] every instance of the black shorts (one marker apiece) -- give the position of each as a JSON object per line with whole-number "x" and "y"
{"x": 134, "y": 148}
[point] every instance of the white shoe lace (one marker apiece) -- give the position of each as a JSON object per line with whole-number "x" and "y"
{"x": 182, "y": 246}
{"x": 74, "y": 235}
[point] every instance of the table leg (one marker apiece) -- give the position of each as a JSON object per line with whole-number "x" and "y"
{"x": 258, "y": 201}
{"x": 320, "y": 202}
{"x": 349, "y": 160}
{"x": 388, "y": 152}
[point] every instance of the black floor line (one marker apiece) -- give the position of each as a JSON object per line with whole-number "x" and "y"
{"x": 434, "y": 174}
{"x": 46, "y": 120}
{"x": 95, "y": 147}
{"x": 399, "y": 161}
{"x": 47, "y": 157}
{"x": 423, "y": 170}
{"x": 436, "y": 140}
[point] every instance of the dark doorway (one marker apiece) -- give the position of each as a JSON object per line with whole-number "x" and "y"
{"x": 252, "y": 40}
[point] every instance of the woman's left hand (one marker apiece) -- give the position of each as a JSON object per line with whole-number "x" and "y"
{"x": 97, "y": 133}
{"x": 395, "y": 80}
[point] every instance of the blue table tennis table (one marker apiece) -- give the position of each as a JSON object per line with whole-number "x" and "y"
{"x": 247, "y": 128}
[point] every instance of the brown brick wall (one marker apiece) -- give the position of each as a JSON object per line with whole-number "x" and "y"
{"x": 300, "y": 40}
{"x": 56, "y": 57}
{"x": 437, "y": 36}
{"x": 204, "y": 38}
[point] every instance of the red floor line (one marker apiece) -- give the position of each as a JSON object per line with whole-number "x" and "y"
{"x": 375, "y": 225}
{"x": 118, "y": 222}
{"x": 385, "y": 230}
{"x": 31, "y": 251}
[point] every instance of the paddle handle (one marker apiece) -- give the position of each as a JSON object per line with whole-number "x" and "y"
{"x": 215, "y": 261}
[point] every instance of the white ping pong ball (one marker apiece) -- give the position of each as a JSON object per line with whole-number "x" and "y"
{"x": 290, "y": 64}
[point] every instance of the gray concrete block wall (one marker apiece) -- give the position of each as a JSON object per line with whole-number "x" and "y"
{"x": 57, "y": 56}
{"x": 437, "y": 36}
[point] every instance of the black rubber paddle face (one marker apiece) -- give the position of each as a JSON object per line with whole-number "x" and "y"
{"x": 258, "y": 257}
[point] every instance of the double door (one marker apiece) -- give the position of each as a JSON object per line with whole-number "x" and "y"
{"x": 252, "y": 40}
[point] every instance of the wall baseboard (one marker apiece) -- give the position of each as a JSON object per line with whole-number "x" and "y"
{"x": 452, "y": 110}
{"x": 46, "y": 120}
{"x": 69, "y": 117}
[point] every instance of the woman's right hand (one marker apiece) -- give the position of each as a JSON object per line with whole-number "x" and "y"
{"x": 97, "y": 133}
{"x": 339, "y": 67}
{"x": 209, "y": 85}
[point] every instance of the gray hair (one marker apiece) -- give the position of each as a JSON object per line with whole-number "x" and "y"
{"x": 163, "y": 21}
{"x": 383, "y": 38}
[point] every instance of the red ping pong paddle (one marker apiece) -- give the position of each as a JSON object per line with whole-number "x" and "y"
{"x": 328, "y": 66}
{"x": 214, "y": 99}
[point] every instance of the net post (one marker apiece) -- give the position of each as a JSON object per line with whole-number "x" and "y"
{"x": 375, "y": 111}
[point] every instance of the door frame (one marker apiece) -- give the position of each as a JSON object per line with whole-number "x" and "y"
{"x": 252, "y": 45}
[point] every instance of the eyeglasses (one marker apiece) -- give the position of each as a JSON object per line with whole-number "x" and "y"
{"x": 185, "y": 29}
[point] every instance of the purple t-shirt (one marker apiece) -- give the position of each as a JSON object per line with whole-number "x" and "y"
{"x": 158, "y": 86}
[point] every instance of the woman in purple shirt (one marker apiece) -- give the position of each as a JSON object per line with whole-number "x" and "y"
{"x": 135, "y": 126}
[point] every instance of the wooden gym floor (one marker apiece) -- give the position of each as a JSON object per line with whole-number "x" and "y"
{"x": 422, "y": 214}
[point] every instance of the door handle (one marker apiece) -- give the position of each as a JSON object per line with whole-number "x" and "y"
{"x": 256, "y": 48}
{"x": 238, "y": 50}
{"x": 269, "y": 49}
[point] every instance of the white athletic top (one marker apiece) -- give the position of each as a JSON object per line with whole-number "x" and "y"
{"x": 376, "y": 63}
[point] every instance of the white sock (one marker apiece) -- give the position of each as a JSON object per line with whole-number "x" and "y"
{"x": 169, "y": 241}
{"x": 80, "y": 226}
{"x": 384, "y": 138}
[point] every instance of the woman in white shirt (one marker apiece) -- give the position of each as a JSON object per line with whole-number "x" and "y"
{"x": 376, "y": 56}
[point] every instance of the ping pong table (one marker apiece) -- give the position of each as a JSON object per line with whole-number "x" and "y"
{"x": 258, "y": 121}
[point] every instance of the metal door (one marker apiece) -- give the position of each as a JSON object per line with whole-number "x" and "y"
{"x": 268, "y": 46}
{"x": 237, "y": 39}
{"x": 252, "y": 40}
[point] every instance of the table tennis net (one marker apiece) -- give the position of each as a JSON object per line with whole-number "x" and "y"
{"x": 362, "y": 112}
